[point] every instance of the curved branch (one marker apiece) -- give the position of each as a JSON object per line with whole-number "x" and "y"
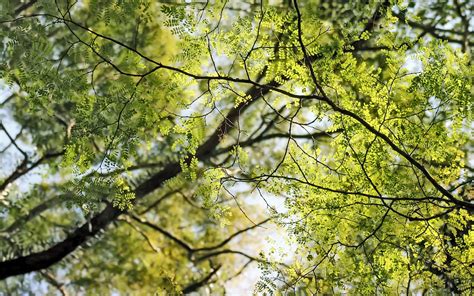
{"x": 195, "y": 286}
{"x": 22, "y": 170}
{"x": 164, "y": 232}
{"x": 52, "y": 255}
{"x": 232, "y": 236}
{"x": 324, "y": 98}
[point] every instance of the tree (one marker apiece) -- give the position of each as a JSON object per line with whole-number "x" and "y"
{"x": 145, "y": 131}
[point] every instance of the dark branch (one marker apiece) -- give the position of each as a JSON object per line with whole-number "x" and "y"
{"x": 195, "y": 286}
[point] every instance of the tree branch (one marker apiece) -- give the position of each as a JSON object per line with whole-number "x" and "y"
{"x": 195, "y": 286}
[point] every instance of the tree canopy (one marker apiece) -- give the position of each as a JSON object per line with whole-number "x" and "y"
{"x": 170, "y": 146}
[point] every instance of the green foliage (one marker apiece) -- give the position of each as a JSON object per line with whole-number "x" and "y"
{"x": 146, "y": 137}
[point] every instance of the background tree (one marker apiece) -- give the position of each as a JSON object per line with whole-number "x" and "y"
{"x": 144, "y": 132}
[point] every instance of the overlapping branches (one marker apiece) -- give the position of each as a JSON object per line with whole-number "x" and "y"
{"x": 257, "y": 91}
